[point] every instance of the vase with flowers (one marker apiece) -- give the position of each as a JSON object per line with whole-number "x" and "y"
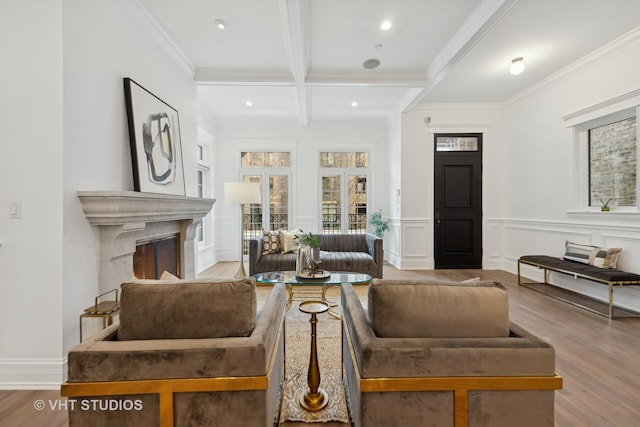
{"x": 308, "y": 253}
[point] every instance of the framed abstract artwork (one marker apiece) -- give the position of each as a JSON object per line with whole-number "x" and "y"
{"x": 154, "y": 136}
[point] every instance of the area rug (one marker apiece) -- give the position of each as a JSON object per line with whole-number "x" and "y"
{"x": 297, "y": 349}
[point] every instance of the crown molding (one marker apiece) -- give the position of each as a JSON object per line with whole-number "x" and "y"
{"x": 153, "y": 28}
{"x": 458, "y": 106}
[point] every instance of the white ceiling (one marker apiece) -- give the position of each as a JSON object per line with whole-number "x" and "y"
{"x": 303, "y": 59}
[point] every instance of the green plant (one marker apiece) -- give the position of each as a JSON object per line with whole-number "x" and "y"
{"x": 605, "y": 205}
{"x": 307, "y": 239}
{"x": 379, "y": 223}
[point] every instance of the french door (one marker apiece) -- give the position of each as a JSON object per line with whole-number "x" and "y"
{"x": 344, "y": 202}
{"x": 274, "y": 211}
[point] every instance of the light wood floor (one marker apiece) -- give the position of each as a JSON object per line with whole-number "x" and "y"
{"x": 598, "y": 358}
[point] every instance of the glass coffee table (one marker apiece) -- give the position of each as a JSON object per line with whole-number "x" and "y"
{"x": 311, "y": 288}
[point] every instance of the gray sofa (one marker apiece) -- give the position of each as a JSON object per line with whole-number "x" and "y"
{"x": 360, "y": 253}
{"x": 185, "y": 353}
{"x": 425, "y": 353}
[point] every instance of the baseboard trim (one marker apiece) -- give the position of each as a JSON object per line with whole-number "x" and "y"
{"x": 32, "y": 374}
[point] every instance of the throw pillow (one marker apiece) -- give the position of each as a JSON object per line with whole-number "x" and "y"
{"x": 287, "y": 241}
{"x": 271, "y": 242}
{"x": 168, "y": 276}
{"x": 577, "y": 252}
{"x": 604, "y": 257}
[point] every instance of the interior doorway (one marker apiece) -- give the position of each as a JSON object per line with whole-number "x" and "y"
{"x": 458, "y": 200}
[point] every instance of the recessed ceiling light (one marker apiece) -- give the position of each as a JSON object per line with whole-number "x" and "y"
{"x": 517, "y": 65}
{"x": 220, "y": 24}
{"x": 385, "y": 25}
{"x": 354, "y": 104}
{"x": 372, "y": 63}
{"x": 249, "y": 104}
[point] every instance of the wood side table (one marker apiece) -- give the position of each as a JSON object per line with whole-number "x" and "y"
{"x": 103, "y": 309}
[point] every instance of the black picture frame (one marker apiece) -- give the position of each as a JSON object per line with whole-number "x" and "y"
{"x": 154, "y": 138}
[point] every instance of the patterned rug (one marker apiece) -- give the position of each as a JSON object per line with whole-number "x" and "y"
{"x": 298, "y": 343}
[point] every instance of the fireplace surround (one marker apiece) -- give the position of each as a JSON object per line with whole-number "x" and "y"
{"x": 125, "y": 218}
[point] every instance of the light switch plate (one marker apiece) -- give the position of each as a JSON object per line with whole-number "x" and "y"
{"x": 15, "y": 210}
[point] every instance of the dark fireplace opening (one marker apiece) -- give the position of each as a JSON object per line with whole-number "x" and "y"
{"x": 154, "y": 257}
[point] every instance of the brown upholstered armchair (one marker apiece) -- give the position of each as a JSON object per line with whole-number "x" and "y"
{"x": 185, "y": 353}
{"x": 443, "y": 354}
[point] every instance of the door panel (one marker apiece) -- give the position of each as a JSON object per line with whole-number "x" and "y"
{"x": 458, "y": 201}
{"x": 457, "y": 181}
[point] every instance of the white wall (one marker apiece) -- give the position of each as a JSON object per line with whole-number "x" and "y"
{"x": 537, "y": 172}
{"x": 415, "y": 226}
{"x": 105, "y": 41}
{"x": 31, "y": 172}
{"x": 234, "y": 136}
{"x": 63, "y": 97}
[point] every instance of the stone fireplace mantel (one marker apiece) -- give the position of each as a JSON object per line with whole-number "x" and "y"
{"x": 125, "y": 217}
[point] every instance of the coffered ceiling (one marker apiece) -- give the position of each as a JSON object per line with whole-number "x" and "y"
{"x": 303, "y": 59}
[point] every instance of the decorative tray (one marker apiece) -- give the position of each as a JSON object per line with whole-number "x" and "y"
{"x": 319, "y": 274}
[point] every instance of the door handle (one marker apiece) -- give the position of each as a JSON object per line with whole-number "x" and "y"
{"x": 437, "y": 218}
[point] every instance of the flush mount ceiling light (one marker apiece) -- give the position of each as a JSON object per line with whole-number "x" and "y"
{"x": 517, "y": 65}
{"x": 249, "y": 104}
{"x": 370, "y": 64}
{"x": 354, "y": 104}
{"x": 385, "y": 25}
{"x": 220, "y": 24}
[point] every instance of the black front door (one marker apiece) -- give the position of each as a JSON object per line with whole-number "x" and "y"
{"x": 458, "y": 200}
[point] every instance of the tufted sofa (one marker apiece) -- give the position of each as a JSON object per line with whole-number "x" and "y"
{"x": 431, "y": 353}
{"x": 360, "y": 253}
{"x": 185, "y": 353}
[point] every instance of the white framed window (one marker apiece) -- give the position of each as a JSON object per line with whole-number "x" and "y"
{"x": 613, "y": 163}
{"x": 605, "y": 156}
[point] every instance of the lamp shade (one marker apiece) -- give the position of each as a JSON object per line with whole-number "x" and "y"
{"x": 239, "y": 193}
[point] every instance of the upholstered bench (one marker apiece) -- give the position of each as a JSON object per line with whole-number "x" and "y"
{"x": 608, "y": 276}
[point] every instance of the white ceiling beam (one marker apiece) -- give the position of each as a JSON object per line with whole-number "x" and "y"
{"x": 295, "y": 19}
{"x": 471, "y": 32}
{"x": 243, "y": 77}
{"x": 367, "y": 78}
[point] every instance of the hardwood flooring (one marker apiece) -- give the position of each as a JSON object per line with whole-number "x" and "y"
{"x": 598, "y": 358}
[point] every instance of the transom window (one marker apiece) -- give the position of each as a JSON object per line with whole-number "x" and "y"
{"x": 265, "y": 159}
{"x": 332, "y": 159}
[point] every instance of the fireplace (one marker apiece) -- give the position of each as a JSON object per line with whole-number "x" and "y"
{"x": 128, "y": 219}
{"x": 152, "y": 258}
